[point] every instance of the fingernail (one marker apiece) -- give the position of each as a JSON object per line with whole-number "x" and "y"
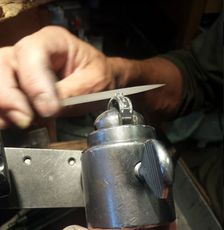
{"x": 46, "y": 104}
{"x": 20, "y": 119}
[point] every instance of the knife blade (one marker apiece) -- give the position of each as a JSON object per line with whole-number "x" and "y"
{"x": 107, "y": 94}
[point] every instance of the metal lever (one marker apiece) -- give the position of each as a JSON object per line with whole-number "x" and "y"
{"x": 4, "y": 173}
{"x": 156, "y": 168}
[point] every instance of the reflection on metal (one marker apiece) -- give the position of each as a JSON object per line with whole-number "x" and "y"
{"x": 156, "y": 168}
{"x": 114, "y": 196}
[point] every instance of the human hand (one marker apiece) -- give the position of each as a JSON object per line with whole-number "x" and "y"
{"x": 44, "y": 67}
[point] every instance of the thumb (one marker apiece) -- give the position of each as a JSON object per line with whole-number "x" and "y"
{"x": 75, "y": 227}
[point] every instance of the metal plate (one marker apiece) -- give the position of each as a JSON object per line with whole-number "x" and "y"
{"x": 48, "y": 180}
{"x": 43, "y": 178}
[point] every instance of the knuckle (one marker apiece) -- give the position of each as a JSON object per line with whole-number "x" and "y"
{"x": 52, "y": 28}
{"x": 21, "y": 44}
{"x": 32, "y": 85}
{"x": 22, "y": 50}
{"x": 27, "y": 49}
{"x": 5, "y": 54}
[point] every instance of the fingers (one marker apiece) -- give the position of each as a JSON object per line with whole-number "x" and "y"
{"x": 92, "y": 78}
{"x": 36, "y": 78}
{"x": 39, "y": 56}
{"x": 77, "y": 84}
{"x": 14, "y": 105}
{"x": 28, "y": 76}
{"x": 74, "y": 227}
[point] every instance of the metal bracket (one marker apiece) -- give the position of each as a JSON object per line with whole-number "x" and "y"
{"x": 43, "y": 178}
{"x": 47, "y": 178}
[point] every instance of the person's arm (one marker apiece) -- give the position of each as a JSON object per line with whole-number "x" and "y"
{"x": 28, "y": 73}
{"x": 163, "y": 101}
{"x": 201, "y": 68}
{"x": 44, "y": 67}
{"x": 52, "y": 64}
{"x": 193, "y": 77}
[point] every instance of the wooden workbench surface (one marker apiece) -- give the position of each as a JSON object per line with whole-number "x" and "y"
{"x": 11, "y": 8}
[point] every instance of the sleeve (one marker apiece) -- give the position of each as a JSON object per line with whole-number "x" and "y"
{"x": 202, "y": 70}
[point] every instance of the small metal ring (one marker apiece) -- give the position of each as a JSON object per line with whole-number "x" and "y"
{"x": 123, "y": 105}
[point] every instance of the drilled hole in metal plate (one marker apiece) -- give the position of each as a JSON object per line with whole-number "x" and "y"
{"x": 27, "y": 160}
{"x": 71, "y": 161}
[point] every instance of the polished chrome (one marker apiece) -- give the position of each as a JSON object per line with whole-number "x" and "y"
{"x": 112, "y": 118}
{"x": 109, "y": 118}
{"x": 114, "y": 196}
{"x": 120, "y": 112}
{"x": 166, "y": 164}
{"x": 137, "y": 170}
{"x": 120, "y": 134}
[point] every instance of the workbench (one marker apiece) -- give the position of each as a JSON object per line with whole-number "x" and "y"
{"x": 11, "y": 8}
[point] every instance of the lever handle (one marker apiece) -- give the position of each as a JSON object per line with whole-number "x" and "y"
{"x": 156, "y": 168}
{"x": 4, "y": 173}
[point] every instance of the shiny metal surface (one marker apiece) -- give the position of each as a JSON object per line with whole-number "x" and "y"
{"x": 166, "y": 164}
{"x": 112, "y": 117}
{"x": 121, "y": 133}
{"x": 114, "y": 195}
{"x": 191, "y": 205}
{"x": 156, "y": 169}
{"x": 108, "y": 119}
{"x": 4, "y": 173}
{"x": 115, "y": 198}
{"x": 43, "y": 178}
{"x": 107, "y": 94}
{"x": 124, "y": 107}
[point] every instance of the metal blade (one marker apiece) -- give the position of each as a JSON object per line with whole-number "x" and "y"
{"x": 107, "y": 94}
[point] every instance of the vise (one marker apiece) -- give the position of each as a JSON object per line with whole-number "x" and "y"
{"x": 124, "y": 178}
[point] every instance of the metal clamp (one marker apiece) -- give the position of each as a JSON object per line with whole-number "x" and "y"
{"x": 124, "y": 106}
{"x": 155, "y": 169}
